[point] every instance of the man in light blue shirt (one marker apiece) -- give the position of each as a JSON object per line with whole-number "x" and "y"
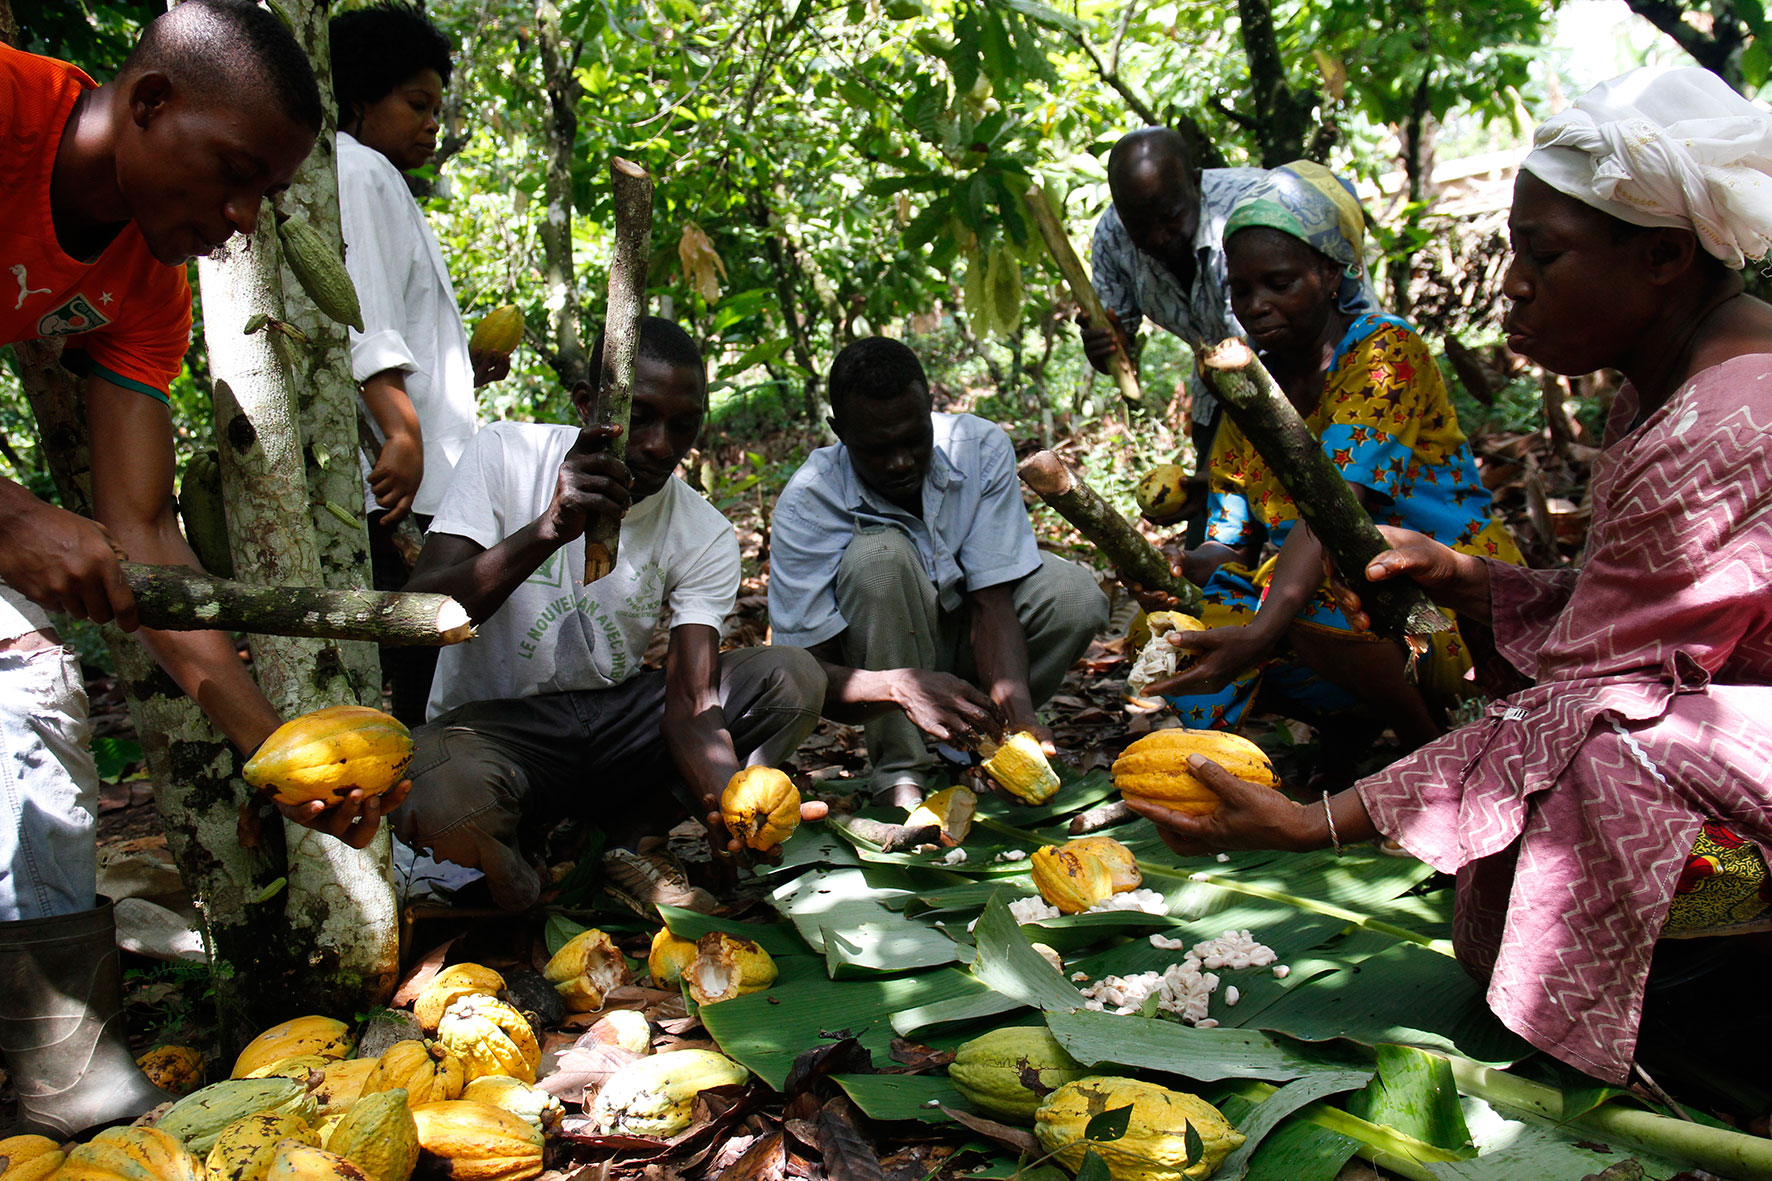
{"x": 904, "y": 559}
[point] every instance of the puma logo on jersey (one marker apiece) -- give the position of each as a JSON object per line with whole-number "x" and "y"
{"x": 25, "y": 290}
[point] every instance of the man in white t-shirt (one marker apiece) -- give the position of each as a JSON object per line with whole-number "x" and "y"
{"x": 548, "y": 713}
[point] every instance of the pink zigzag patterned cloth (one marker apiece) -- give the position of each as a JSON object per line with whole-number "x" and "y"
{"x": 1568, "y": 811}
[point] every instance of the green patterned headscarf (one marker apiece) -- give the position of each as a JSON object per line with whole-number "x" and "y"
{"x": 1305, "y": 200}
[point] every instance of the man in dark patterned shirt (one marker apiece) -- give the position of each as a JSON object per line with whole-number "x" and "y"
{"x": 1158, "y": 254}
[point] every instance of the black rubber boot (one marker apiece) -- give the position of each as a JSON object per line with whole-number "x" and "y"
{"x": 61, "y": 1025}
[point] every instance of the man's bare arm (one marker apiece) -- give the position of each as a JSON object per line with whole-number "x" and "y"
{"x": 132, "y": 466}
{"x": 694, "y": 723}
{"x": 940, "y": 704}
{"x": 590, "y": 483}
{"x": 1000, "y": 648}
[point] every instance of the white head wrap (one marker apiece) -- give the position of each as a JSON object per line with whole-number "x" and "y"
{"x": 1658, "y": 147}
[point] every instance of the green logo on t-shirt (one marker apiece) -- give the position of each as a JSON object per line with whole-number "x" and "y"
{"x": 552, "y": 571}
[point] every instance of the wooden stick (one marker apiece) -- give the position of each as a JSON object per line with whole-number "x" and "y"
{"x": 178, "y": 598}
{"x": 1136, "y": 559}
{"x": 1040, "y": 208}
{"x": 621, "y": 336}
{"x": 1268, "y": 420}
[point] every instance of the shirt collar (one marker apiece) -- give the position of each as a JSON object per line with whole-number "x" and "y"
{"x": 941, "y": 476}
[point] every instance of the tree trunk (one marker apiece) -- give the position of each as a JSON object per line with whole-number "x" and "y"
{"x": 177, "y": 598}
{"x": 287, "y": 489}
{"x": 623, "y": 313}
{"x": 1715, "y": 44}
{"x": 1283, "y": 121}
{"x": 1136, "y": 559}
{"x": 558, "y": 59}
{"x": 1058, "y": 243}
{"x": 203, "y": 803}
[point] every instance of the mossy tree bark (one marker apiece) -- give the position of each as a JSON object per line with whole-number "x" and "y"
{"x": 203, "y": 804}
{"x": 623, "y": 313}
{"x": 177, "y": 598}
{"x": 339, "y": 913}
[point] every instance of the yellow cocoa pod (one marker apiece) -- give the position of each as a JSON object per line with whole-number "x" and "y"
{"x": 449, "y": 986}
{"x": 320, "y": 269}
{"x": 245, "y": 1149}
{"x": 471, "y": 1141}
{"x": 29, "y": 1158}
{"x": 424, "y": 1070}
{"x": 656, "y": 1096}
{"x": 341, "y": 1084}
{"x": 761, "y": 807}
{"x": 949, "y": 810}
{"x": 324, "y": 754}
{"x": 726, "y": 966}
{"x": 585, "y": 969}
{"x": 379, "y": 1136}
{"x": 1020, "y": 767}
{"x": 295, "y": 1161}
{"x": 131, "y": 1154}
{"x": 1162, "y": 493}
{"x": 1155, "y": 767}
{"x": 325, "y": 1036}
{"x": 489, "y": 1037}
{"x": 1122, "y": 865}
{"x": 1070, "y": 879}
{"x": 531, "y": 1104}
{"x": 296, "y": 1066}
{"x": 178, "y": 1069}
{"x": 1154, "y": 1147}
{"x": 669, "y": 957}
{"x": 498, "y": 333}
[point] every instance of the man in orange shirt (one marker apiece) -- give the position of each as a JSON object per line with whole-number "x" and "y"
{"x": 110, "y": 190}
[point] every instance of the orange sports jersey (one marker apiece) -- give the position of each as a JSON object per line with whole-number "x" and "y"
{"x": 127, "y": 317}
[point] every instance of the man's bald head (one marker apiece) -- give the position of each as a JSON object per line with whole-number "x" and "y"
{"x": 1148, "y": 157}
{"x": 1156, "y": 191}
{"x": 226, "y": 51}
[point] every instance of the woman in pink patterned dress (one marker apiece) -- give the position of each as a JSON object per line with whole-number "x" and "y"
{"x": 1625, "y": 793}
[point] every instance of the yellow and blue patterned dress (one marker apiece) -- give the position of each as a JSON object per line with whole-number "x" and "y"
{"x": 1386, "y": 421}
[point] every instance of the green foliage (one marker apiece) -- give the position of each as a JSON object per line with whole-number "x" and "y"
{"x": 828, "y": 171}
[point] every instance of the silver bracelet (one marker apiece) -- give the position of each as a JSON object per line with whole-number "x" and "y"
{"x": 1330, "y": 817}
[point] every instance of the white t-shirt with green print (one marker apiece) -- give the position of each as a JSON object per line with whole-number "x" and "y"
{"x": 678, "y": 557}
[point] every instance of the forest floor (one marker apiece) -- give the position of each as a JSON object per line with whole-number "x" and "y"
{"x": 1538, "y": 489}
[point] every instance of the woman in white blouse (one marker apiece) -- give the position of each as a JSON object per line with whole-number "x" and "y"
{"x": 389, "y": 67}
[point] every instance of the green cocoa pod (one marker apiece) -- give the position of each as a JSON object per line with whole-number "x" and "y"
{"x": 201, "y": 508}
{"x": 1009, "y": 1072}
{"x": 200, "y": 1118}
{"x": 321, "y": 271}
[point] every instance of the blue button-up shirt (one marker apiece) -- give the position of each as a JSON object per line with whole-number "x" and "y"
{"x": 1134, "y": 286}
{"x": 974, "y": 531}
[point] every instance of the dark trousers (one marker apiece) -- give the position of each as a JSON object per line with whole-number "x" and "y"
{"x": 408, "y": 670}
{"x": 487, "y": 772}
